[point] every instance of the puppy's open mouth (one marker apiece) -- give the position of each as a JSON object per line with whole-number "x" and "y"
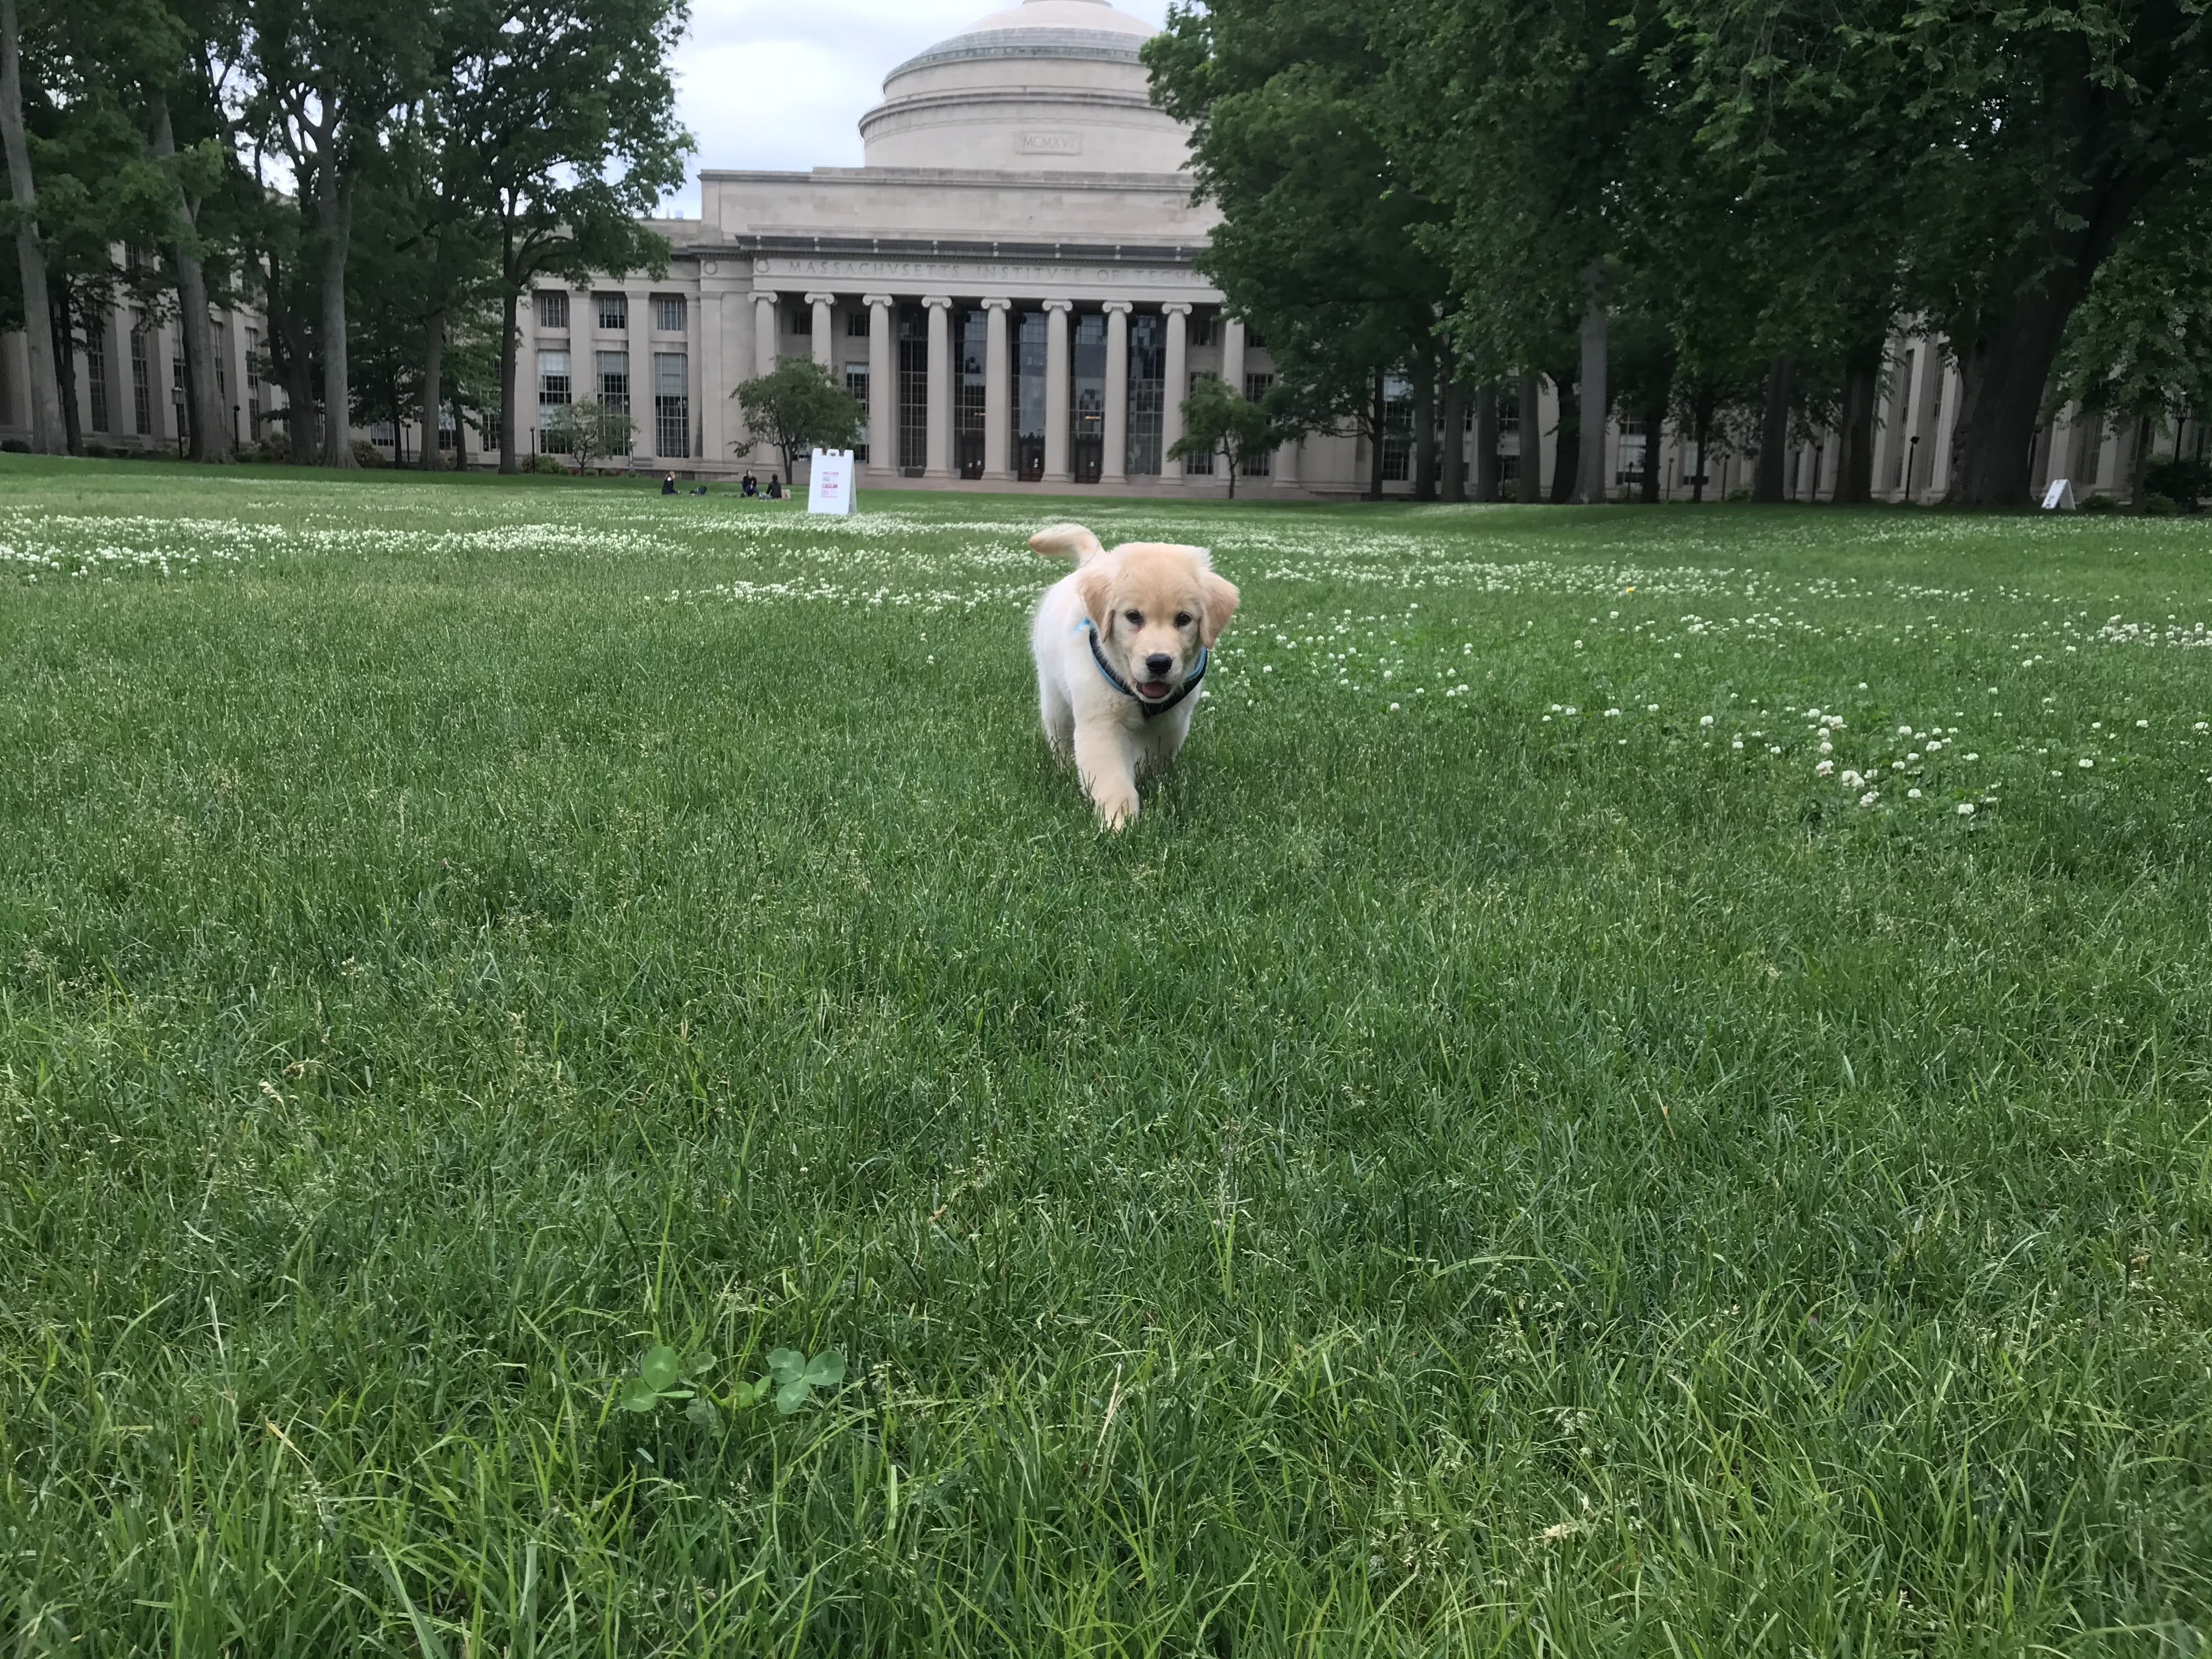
{"x": 1153, "y": 690}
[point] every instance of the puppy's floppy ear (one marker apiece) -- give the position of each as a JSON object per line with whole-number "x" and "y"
{"x": 1066, "y": 541}
{"x": 1091, "y": 584}
{"x": 1217, "y": 606}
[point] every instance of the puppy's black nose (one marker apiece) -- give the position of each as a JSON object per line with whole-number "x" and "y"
{"x": 1159, "y": 662}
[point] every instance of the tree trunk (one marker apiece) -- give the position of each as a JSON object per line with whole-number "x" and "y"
{"x": 210, "y": 421}
{"x": 460, "y": 433}
{"x": 1567, "y": 446}
{"x": 1655, "y": 430}
{"x": 1374, "y": 457}
{"x": 1486, "y": 441}
{"x": 510, "y": 348}
{"x": 1228, "y": 459}
{"x": 2002, "y": 376}
{"x": 1425, "y": 422}
{"x": 1454, "y": 465}
{"x": 1705, "y": 435}
{"x": 295, "y": 367}
{"x": 1770, "y": 484}
{"x": 2139, "y": 461}
{"x": 338, "y": 391}
{"x": 65, "y": 368}
{"x": 434, "y": 362}
{"x": 48, "y": 437}
{"x": 1590, "y": 469}
{"x": 1532, "y": 439}
{"x": 1855, "y": 443}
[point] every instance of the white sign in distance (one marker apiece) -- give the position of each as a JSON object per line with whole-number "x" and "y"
{"x": 2061, "y": 494}
{"x": 830, "y": 482}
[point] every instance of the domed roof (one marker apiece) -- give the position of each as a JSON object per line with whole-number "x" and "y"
{"x": 1040, "y": 28}
{"x": 1049, "y": 85}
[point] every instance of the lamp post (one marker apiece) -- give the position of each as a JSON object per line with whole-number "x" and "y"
{"x": 1911, "y": 466}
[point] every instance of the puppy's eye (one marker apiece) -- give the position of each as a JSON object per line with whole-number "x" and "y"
{"x": 1135, "y": 618}
{"x": 1182, "y": 619}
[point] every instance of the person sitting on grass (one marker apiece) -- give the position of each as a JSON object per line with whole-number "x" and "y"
{"x": 751, "y": 487}
{"x": 775, "y": 486}
{"x": 668, "y": 485}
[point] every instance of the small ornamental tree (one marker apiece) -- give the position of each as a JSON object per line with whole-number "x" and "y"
{"x": 797, "y": 407}
{"x": 1219, "y": 420}
{"x": 588, "y": 430}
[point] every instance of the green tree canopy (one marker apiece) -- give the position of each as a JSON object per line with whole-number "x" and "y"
{"x": 798, "y": 407}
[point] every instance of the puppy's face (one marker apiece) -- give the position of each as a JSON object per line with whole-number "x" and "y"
{"x": 1155, "y": 605}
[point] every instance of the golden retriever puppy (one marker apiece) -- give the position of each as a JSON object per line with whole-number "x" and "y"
{"x": 1121, "y": 647}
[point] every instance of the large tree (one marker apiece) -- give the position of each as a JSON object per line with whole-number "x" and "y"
{"x": 1319, "y": 244}
{"x": 562, "y": 114}
{"x": 2022, "y": 144}
{"x": 328, "y": 76}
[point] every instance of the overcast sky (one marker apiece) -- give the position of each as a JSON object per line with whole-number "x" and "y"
{"x": 783, "y": 83}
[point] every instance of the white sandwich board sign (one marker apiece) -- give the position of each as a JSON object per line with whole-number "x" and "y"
{"x": 2061, "y": 494}
{"x": 830, "y": 482}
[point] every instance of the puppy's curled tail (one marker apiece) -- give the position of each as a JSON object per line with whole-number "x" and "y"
{"x": 1066, "y": 541}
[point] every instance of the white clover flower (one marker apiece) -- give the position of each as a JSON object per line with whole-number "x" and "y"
{"x": 1934, "y": 744}
{"x": 1863, "y": 685}
{"x": 1578, "y": 645}
{"x": 1903, "y": 730}
{"x": 1650, "y": 707}
{"x": 1824, "y": 768}
{"x": 1912, "y": 794}
{"x": 1571, "y": 709}
{"x": 1707, "y": 719}
{"x": 2142, "y": 725}
{"x": 1394, "y": 707}
{"x": 1965, "y": 809}
{"x": 2204, "y": 726}
{"x": 1851, "y": 779}
{"x": 1870, "y": 798}
{"x": 2096, "y": 725}
{"x": 1738, "y": 743}
{"x": 2085, "y": 763}
{"x": 1613, "y": 714}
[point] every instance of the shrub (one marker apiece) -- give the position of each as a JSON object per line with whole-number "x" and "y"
{"x": 15, "y": 447}
{"x": 547, "y": 464}
{"x": 367, "y": 454}
{"x": 2155, "y": 505}
{"x": 2183, "y": 478}
{"x": 2099, "y": 504}
{"x": 1739, "y": 495}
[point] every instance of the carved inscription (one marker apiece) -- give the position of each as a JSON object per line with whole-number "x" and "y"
{"x": 1047, "y": 144}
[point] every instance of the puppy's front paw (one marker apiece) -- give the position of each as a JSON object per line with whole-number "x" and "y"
{"x": 1117, "y": 811}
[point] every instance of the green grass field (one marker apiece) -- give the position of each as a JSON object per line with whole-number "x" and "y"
{"x": 1507, "y": 1156}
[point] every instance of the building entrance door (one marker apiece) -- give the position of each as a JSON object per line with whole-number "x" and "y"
{"x": 1029, "y": 460}
{"x": 1086, "y": 458}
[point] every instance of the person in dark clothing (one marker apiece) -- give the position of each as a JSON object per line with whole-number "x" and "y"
{"x": 668, "y": 485}
{"x": 775, "y": 486}
{"x": 751, "y": 487}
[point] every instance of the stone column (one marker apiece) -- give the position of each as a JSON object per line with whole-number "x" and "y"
{"x": 1177, "y": 385}
{"x": 1056, "y": 392}
{"x": 998, "y": 391}
{"x": 822, "y": 302}
{"x": 939, "y": 436}
{"x": 1286, "y": 463}
{"x": 714, "y": 443}
{"x": 1114, "y": 466}
{"x": 1232, "y": 354}
{"x": 764, "y": 325}
{"x": 883, "y": 383}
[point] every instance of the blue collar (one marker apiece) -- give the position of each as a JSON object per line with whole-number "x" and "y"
{"x": 1152, "y": 710}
